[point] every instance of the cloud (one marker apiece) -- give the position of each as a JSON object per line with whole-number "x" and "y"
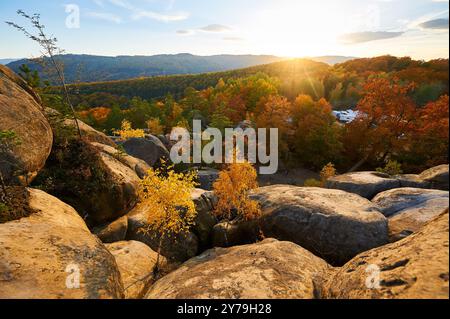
{"x": 215, "y": 28}
{"x": 159, "y": 16}
{"x": 185, "y": 32}
{"x": 360, "y": 37}
{"x": 138, "y": 13}
{"x": 105, "y": 16}
{"x": 436, "y": 24}
{"x": 99, "y": 3}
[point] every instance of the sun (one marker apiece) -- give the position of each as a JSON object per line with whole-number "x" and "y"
{"x": 296, "y": 28}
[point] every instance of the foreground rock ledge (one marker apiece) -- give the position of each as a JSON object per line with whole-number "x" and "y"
{"x": 38, "y": 253}
{"x": 267, "y": 270}
{"x": 20, "y": 112}
{"x": 332, "y": 224}
{"x": 409, "y": 209}
{"x": 416, "y": 267}
{"x": 136, "y": 263}
{"x": 365, "y": 184}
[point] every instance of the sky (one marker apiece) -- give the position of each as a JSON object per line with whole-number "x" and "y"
{"x": 286, "y": 28}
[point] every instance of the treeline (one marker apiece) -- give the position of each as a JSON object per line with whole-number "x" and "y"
{"x": 340, "y": 84}
{"x": 398, "y": 122}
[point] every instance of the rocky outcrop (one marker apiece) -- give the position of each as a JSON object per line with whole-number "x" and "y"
{"x": 138, "y": 166}
{"x": 177, "y": 249}
{"x": 228, "y": 234}
{"x": 90, "y": 134}
{"x": 41, "y": 256}
{"x": 365, "y": 184}
{"x": 416, "y": 267}
{"x": 21, "y": 113}
{"x": 438, "y": 177}
{"x": 207, "y": 177}
{"x": 112, "y": 232}
{"x": 205, "y": 220}
{"x": 267, "y": 270}
{"x": 332, "y": 224}
{"x": 119, "y": 197}
{"x": 150, "y": 149}
{"x": 412, "y": 181}
{"x": 136, "y": 262}
{"x": 408, "y": 209}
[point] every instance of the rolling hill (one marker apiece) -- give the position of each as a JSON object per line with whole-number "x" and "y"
{"x": 89, "y": 68}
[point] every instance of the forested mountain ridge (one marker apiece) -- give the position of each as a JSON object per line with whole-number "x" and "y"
{"x": 339, "y": 84}
{"x": 90, "y": 68}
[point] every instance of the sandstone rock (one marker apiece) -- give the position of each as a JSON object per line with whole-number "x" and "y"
{"x": 409, "y": 209}
{"x": 112, "y": 232}
{"x": 205, "y": 220}
{"x": 207, "y": 177}
{"x": 267, "y": 270}
{"x": 178, "y": 249}
{"x": 139, "y": 166}
{"x": 412, "y": 181}
{"x": 120, "y": 197}
{"x": 332, "y": 224}
{"x": 416, "y": 267}
{"x": 21, "y": 112}
{"x": 90, "y": 134}
{"x": 136, "y": 262}
{"x": 438, "y": 177}
{"x": 149, "y": 149}
{"x": 228, "y": 234}
{"x": 365, "y": 184}
{"x": 39, "y": 253}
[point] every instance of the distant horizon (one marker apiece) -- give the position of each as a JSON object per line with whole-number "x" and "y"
{"x": 231, "y": 54}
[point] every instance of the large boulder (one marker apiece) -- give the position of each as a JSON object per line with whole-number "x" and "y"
{"x": 267, "y": 270}
{"x": 138, "y": 166}
{"x": 119, "y": 197}
{"x": 412, "y": 181}
{"x": 150, "y": 149}
{"x": 96, "y": 184}
{"x": 21, "y": 113}
{"x": 408, "y": 209}
{"x": 112, "y": 232}
{"x": 176, "y": 249}
{"x": 42, "y": 255}
{"x": 205, "y": 220}
{"x": 228, "y": 234}
{"x": 438, "y": 177}
{"x": 365, "y": 184}
{"x": 332, "y": 224}
{"x": 89, "y": 133}
{"x": 414, "y": 268}
{"x": 136, "y": 262}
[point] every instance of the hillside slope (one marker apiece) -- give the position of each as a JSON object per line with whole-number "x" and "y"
{"x": 89, "y": 68}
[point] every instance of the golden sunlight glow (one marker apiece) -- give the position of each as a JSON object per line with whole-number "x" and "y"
{"x": 298, "y": 28}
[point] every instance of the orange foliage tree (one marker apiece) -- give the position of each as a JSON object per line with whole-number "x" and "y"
{"x": 232, "y": 189}
{"x": 385, "y": 123}
{"x": 316, "y": 132}
{"x": 429, "y": 145}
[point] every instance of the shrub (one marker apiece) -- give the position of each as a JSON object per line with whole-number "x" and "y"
{"x": 126, "y": 132}
{"x": 232, "y": 189}
{"x": 392, "y": 168}
{"x": 327, "y": 172}
{"x": 168, "y": 196}
{"x": 155, "y": 126}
